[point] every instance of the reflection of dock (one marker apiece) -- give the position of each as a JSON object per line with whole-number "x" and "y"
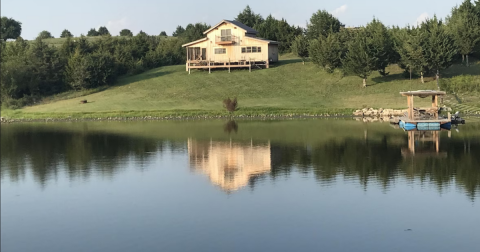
{"x": 429, "y": 141}
{"x": 229, "y": 165}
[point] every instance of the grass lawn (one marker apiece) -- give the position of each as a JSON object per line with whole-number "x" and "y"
{"x": 287, "y": 87}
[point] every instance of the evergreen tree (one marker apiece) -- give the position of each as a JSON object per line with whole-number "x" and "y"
{"x": 440, "y": 45}
{"x": 66, "y": 34}
{"x": 163, "y": 33}
{"x": 412, "y": 50}
{"x": 249, "y": 18}
{"x": 179, "y": 31}
{"x": 322, "y": 23}
{"x": 464, "y": 24}
{"x": 300, "y": 47}
{"x": 126, "y": 33}
{"x": 381, "y": 43}
{"x": 327, "y": 52}
{"x": 359, "y": 59}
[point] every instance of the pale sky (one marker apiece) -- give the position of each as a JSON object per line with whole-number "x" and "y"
{"x": 154, "y": 16}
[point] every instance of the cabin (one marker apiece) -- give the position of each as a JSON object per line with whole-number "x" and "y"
{"x": 230, "y": 44}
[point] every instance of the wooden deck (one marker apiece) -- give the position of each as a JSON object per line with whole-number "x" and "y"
{"x": 206, "y": 64}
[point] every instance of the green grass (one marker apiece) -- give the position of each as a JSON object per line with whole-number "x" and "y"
{"x": 287, "y": 88}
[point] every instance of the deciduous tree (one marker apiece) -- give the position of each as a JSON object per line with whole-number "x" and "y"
{"x": 92, "y": 33}
{"x": 381, "y": 43}
{"x": 126, "y": 33}
{"x": 102, "y": 31}
{"x": 44, "y": 35}
{"x": 66, "y": 34}
{"x": 10, "y": 28}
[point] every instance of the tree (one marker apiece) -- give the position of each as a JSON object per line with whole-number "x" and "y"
{"x": 412, "y": 46}
{"x": 359, "y": 59}
{"x": 66, "y": 34}
{"x": 92, "y": 33}
{"x": 102, "y": 31}
{"x": 142, "y": 33}
{"x": 322, "y": 23}
{"x": 179, "y": 31}
{"x": 440, "y": 45}
{"x": 300, "y": 47}
{"x": 249, "y": 18}
{"x": 11, "y": 29}
{"x": 327, "y": 52}
{"x": 163, "y": 33}
{"x": 381, "y": 43}
{"x": 464, "y": 24}
{"x": 194, "y": 31}
{"x": 44, "y": 35}
{"x": 278, "y": 30}
{"x": 126, "y": 33}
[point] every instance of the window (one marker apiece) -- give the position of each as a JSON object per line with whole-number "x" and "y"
{"x": 253, "y": 49}
{"x": 220, "y": 50}
{"x": 226, "y": 35}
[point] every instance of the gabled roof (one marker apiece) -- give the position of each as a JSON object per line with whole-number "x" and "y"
{"x": 236, "y": 23}
{"x": 194, "y": 42}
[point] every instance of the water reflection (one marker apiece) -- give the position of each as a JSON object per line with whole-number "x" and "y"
{"x": 381, "y": 155}
{"x": 424, "y": 144}
{"x": 229, "y": 165}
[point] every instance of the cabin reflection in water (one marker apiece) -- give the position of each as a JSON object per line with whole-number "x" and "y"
{"x": 423, "y": 144}
{"x": 229, "y": 165}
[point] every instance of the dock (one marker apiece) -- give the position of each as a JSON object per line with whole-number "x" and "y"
{"x": 423, "y": 118}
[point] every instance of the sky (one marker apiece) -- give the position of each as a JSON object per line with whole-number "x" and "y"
{"x": 154, "y": 16}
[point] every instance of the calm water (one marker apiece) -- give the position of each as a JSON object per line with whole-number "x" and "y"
{"x": 293, "y": 185}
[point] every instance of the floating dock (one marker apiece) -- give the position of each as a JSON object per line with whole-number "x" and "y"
{"x": 423, "y": 118}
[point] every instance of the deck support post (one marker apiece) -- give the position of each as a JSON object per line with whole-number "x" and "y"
{"x": 435, "y": 105}
{"x": 250, "y": 65}
{"x": 209, "y": 70}
{"x": 229, "y": 65}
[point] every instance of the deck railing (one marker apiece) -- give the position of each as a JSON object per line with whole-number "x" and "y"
{"x": 225, "y": 39}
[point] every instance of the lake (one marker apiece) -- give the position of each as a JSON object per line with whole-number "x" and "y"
{"x": 251, "y": 185}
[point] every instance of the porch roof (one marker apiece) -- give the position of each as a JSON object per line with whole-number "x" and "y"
{"x": 194, "y": 42}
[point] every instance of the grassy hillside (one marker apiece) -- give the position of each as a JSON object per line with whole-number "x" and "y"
{"x": 288, "y": 87}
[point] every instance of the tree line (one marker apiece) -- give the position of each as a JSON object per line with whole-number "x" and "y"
{"x": 31, "y": 70}
{"x": 426, "y": 48}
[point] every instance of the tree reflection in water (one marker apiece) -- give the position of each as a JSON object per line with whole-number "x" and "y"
{"x": 234, "y": 164}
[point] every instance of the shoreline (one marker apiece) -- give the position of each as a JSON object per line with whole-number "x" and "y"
{"x": 22, "y": 117}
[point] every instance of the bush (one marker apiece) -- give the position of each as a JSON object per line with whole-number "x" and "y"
{"x": 461, "y": 84}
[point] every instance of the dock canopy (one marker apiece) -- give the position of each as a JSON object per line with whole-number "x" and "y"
{"x": 423, "y": 93}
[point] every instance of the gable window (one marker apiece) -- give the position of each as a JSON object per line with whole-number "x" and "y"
{"x": 226, "y": 34}
{"x": 220, "y": 50}
{"x": 252, "y": 49}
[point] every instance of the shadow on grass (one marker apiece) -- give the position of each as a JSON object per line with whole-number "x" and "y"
{"x": 388, "y": 78}
{"x": 286, "y": 62}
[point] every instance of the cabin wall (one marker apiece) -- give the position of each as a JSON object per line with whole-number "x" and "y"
{"x": 233, "y": 52}
{"x": 273, "y": 53}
